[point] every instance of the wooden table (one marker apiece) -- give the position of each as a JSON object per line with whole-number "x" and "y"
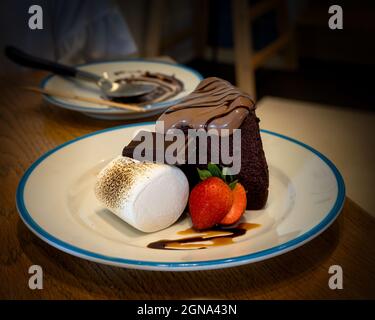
{"x": 29, "y": 127}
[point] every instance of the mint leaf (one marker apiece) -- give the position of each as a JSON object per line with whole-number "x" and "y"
{"x": 204, "y": 174}
{"x": 232, "y": 185}
{"x": 215, "y": 170}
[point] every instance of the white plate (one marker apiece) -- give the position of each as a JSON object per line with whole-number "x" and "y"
{"x": 55, "y": 199}
{"x": 189, "y": 77}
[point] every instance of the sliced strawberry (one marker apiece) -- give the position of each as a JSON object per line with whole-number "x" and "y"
{"x": 238, "y": 206}
{"x": 209, "y": 202}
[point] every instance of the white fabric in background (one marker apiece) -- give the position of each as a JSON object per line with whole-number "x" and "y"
{"x": 73, "y": 31}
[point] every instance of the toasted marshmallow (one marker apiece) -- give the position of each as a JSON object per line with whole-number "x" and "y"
{"x": 148, "y": 196}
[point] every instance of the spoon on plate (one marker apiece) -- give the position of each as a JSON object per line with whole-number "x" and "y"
{"x": 109, "y": 88}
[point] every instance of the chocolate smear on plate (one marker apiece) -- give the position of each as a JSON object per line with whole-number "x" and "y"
{"x": 214, "y": 237}
{"x": 167, "y": 86}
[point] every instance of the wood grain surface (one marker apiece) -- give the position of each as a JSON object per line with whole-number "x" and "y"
{"x": 29, "y": 127}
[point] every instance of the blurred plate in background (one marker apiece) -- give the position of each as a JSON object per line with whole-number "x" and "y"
{"x": 116, "y": 70}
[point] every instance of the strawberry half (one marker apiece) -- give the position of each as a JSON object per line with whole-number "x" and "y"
{"x": 238, "y": 206}
{"x": 216, "y": 200}
{"x": 209, "y": 202}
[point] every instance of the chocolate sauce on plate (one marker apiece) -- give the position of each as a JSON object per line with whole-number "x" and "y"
{"x": 166, "y": 86}
{"x": 217, "y": 236}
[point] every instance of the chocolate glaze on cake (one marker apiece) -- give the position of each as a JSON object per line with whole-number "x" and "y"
{"x": 215, "y": 103}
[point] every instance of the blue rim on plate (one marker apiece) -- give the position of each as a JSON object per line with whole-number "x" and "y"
{"x": 154, "y": 106}
{"x": 252, "y": 257}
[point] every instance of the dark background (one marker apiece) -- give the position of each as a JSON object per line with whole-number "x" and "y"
{"x": 331, "y": 66}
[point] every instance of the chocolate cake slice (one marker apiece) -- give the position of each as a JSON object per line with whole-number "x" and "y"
{"x": 216, "y": 104}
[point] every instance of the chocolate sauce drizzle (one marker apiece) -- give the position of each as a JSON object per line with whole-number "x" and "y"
{"x": 215, "y": 103}
{"x": 206, "y": 125}
{"x": 167, "y": 87}
{"x": 217, "y": 236}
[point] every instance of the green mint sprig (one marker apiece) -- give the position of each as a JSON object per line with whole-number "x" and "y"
{"x": 214, "y": 170}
